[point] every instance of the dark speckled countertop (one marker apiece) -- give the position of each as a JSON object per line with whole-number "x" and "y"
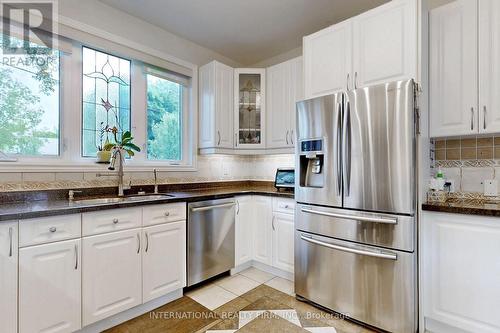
{"x": 469, "y": 207}
{"x": 58, "y": 206}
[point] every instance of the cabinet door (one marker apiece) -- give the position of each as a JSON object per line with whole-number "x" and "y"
{"x": 206, "y": 98}
{"x": 224, "y": 76}
{"x": 385, "y": 43}
{"x": 112, "y": 278}
{"x": 453, "y": 69}
{"x": 163, "y": 260}
{"x": 489, "y": 66}
{"x": 263, "y": 233}
{"x": 50, "y": 287}
{"x": 461, "y": 271}
{"x": 8, "y": 276}
{"x": 283, "y": 238}
{"x": 296, "y": 92}
{"x": 244, "y": 229}
{"x": 328, "y": 60}
{"x": 278, "y": 113}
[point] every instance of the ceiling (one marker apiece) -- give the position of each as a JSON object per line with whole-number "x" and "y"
{"x": 247, "y": 31}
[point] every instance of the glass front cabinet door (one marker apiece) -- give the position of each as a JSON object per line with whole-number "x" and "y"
{"x": 249, "y": 94}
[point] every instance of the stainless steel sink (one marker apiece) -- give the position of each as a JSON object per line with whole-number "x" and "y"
{"x": 131, "y": 198}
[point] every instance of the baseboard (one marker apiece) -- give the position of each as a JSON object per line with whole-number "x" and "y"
{"x": 241, "y": 268}
{"x": 273, "y": 270}
{"x": 434, "y": 326}
{"x": 131, "y": 313}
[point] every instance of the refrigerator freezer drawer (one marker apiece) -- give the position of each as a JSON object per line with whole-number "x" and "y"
{"x": 369, "y": 284}
{"x": 390, "y": 231}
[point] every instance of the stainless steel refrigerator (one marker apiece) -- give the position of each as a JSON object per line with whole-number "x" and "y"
{"x": 355, "y": 244}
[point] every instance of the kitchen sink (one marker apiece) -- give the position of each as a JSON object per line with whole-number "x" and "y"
{"x": 129, "y": 198}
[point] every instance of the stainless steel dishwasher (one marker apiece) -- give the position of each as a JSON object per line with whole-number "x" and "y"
{"x": 210, "y": 231}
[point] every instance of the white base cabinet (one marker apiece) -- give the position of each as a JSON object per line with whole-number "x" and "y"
{"x": 262, "y": 230}
{"x": 50, "y": 287}
{"x": 112, "y": 279}
{"x": 8, "y": 276}
{"x": 461, "y": 272}
{"x": 283, "y": 239}
{"x": 163, "y": 269}
{"x": 244, "y": 229}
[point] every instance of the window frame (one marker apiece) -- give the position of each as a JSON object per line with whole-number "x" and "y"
{"x": 70, "y": 131}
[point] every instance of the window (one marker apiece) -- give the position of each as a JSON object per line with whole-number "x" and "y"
{"x": 29, "y": 101}
{"x": 105, "y": 97}
{"x": 164, "y": 119}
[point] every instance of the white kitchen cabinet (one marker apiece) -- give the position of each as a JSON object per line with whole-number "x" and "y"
{"x": 489, "y": 65}
{"x": 328, "y": 60}
{"x": 163, "y": 259}
{"x": 249, "y": 108}
{"x": 8, "y": 276}
{"x": 461, "y": 272}
{"x": 111, "y": 274}
{"x": 284, "y": 89}
{"x": 385, "y": 43}
{"x": 453, "y": 69}
{"x": 216, "y": 105}
{"x": 283, "y": 239}
{"x": 262, "y": 230}
{"x": 50, "y": 287}
{"x": 244, "y": 229}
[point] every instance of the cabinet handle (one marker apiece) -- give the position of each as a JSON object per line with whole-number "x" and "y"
{"x": 238, "y": 207}
{"x": 472, "y": 118}
{"x": 287, "y": 137}
{"x": 52, "y": 229}
{"x": 10, "y": 241}
{"x": 355, "y": 80}
{"x": 291, "y": 137}
{"x": 167, "y": 214}
{"x": 138, "y": 243}
{"x": 76, "y": 256}
{"x": 272, "y": 223}
{"x": 147, "y": 242}
{"x": 348, "y": 77}
{"x": 236, "y": 139}
{"x": 484, "y": 117}
{"x": 115, "y": 221}
{"x": 218, "y": 142}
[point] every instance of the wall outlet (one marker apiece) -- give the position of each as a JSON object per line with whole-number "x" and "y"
{"x": 450, "y": 185}
{"x": 491, "y": 187}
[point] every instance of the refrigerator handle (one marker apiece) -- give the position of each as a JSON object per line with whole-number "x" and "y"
{"x": 339, "y": 152}
{"x": 347, "y": 149}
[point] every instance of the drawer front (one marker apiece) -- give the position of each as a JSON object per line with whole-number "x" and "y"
{"x": 283, "y": 205}
{"x": 49, "y": 229}
{"x": 111, "y": 220}
{"x": 158, "y": 214}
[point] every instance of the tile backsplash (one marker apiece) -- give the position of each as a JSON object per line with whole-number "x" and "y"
{"x": 467, "y": 161}
{"x": 210, "y": 168}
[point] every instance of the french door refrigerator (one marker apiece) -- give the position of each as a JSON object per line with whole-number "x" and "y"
{"x": 355, "y": 244}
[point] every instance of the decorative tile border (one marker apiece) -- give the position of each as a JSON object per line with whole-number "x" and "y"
{"x": 465, "y": 163}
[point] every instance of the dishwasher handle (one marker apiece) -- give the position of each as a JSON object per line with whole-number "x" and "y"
{"x": 203, "y": 208}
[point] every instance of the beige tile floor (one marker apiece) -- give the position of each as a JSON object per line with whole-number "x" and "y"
{"x": 252, "y": 301}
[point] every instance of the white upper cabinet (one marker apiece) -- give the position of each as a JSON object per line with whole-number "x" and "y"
{"x": 50, "y": 287}
{"x": 328, "y": 60}
{"x": 284, "y": 89}
{"x": 111, "y": 278}
{"x": 453, "y": 69}
{"x": 216, "y": 105}
{"x": 8, "y": 276}
{"x": 385, "y": 43}
{"x": 489, "y": 66}
{"x": 244, "y": 230}
{"x": 163, "y": 259}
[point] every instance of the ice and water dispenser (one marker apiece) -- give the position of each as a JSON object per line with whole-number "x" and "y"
{"x": 311, "y": 162}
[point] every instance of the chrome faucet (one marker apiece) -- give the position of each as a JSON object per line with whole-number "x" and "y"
{"x": 156, "y": 180}
{"x": 112, "y": 163}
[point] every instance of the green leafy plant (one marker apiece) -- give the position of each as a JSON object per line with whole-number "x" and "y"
{"x": 124, "y": 143}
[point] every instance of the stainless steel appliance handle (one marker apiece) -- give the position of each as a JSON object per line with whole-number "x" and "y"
{"x": 138, "y": 243}
{"x": 353, "y": 217}
{"x": 350, "y": 250}
{"x": 339, "y": 152}
{"x": 472, "y": 118}
{"x": 287, "y": 132}
{"x": 347, "y": 149}
{"x": 147, "y": 242}
{"x": 218, "y": 134}
{"x": 10, "y": 241}
{"x": 484, "y": 117}
{"x": 76, "y": 256}
{"x": 200, "y": 209}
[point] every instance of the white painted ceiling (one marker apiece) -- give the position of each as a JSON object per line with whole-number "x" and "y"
{"x": 246, "y": 31}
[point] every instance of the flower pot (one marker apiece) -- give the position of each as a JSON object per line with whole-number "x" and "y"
{"x": 103, "y": 156}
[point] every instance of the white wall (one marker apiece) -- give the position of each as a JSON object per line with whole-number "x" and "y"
{"x": 100, "y": 16}
{"x": 294, "y": 53}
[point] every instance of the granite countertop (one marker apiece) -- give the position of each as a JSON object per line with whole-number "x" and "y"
{"x": 468, "y": 206}
{"x": 40, "y": 208}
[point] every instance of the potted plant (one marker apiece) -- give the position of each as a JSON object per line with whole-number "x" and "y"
{"x": 103, "y": 154}
{"x": 125, "y": 143}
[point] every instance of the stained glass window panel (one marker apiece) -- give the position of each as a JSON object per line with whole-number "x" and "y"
{"x": 106, "y": 98}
